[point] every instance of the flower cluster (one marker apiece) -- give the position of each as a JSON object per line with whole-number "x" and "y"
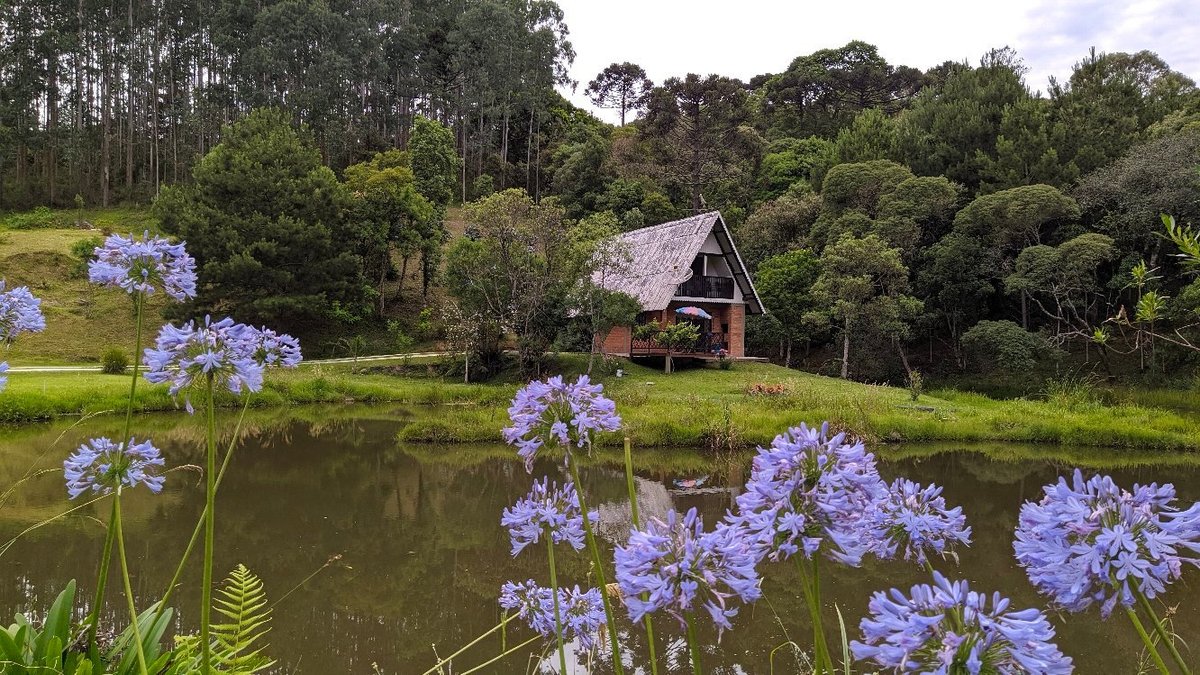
{"x": 582, "y": 612}
{"x": 562, "y": 412}
{"x": 948, "y": 628}
{"x": 100, "y": 465}
{"x": 547, "y": 507}
{"x": 809, "y": 489}
{"x": 269, "y": 349}
{"x": 914, "y": 520}
{"x": 187, "y": 356}
{"x": 681, "y": 568}
{"x": 144, "y": 266}
{"x": 3, "y": 377}
{"x": 20, "y": 312}
{"x": 1092, "y": 542}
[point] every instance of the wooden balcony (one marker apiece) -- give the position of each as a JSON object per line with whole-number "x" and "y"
{"x": 707, "y": 345}
{"x": 706, "y": 287}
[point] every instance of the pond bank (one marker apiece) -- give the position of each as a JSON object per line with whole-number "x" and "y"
{"x": 709, "y": 407}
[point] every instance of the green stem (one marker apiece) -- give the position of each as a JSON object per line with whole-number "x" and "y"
{"x": 133, "y": 615}
{"x": 693, "y": 644}
{"x": 558, "y": 630}
{"x": 187, "y": 552}
{"x": 633, "y": 511}
{"x": 496, "y": 658}
{"x": 1141, "y": 630}
{"x": 102, "y": 577}
{"x": 470, "y": 644}
{"x": 210, "y": 495}
{"x": 1162, "y": 632}
{"x": 812, "y": 596}
{"x": 93, "y": 619}
{"x": 598, "y": 562}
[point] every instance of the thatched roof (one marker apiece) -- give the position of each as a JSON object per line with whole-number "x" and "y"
{"x": 661, "y": 259}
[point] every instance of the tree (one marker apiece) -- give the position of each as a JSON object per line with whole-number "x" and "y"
{"x": 1063, "y": 282}
{"x": 790, "y": 161}
{"x": 393, "y": 214}
{"x": 1125, "y": 200}
{"x": 872, "y": 135}
{"x": 956, "y": 280}
{"x": 1003, "y": 345}
{"x": 947, "y": 128}
{"x": 435, "y": 162}
{"x": 864, "y": 285}
{"x": 775, "y": 227}
{"x": 516, "y": 271}
{"x": 696, "y": 126}
{"x": 1026, "y": 151}
{"x": 623, "y": 86}
{"x": 851, "y": 195}
{"x": 785, "y": 285}
{"x": 264, "y": 220}
{"x": 603, "y": 256}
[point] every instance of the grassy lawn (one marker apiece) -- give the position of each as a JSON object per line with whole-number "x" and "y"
{"x": 699, "y": 407}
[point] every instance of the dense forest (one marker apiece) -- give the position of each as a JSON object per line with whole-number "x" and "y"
{"x": 947, "y": 219}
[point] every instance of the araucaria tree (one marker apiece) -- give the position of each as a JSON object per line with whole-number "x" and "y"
{"x": 264, "y": 219}
{"x": 621, "y": 86}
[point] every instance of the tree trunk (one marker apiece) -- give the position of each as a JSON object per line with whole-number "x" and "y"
{"x": 846, "y": 352}
{"x": 1024, "y": 310}
{"x": 903, "y": 357}
{"x": 129, "y": 110}
{"x": 787, "y": 358}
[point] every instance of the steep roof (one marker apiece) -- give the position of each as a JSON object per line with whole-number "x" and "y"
{"x": 661, "y": 259}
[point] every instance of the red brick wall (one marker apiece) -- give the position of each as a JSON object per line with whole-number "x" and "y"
{"x": 737, "y": 331}
{"x": 617, "y": 341}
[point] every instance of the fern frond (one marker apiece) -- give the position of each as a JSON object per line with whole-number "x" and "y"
{"x": 238, "y": 643}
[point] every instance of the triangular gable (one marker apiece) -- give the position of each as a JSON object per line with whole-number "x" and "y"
{"x": 661, "y": 259}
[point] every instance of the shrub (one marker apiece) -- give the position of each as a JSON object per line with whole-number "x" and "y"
{"x": 114, "y": 361}
{"x": 916, "y": 384}
{"x": 1003, "y": 345}
{"x": 40, "y": 218}
{"x": 82, "y": 253}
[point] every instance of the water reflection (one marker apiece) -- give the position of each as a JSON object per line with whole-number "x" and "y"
{"x": 423, "y": 554}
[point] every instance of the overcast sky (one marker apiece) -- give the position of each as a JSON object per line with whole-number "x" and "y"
{"x": 743, "y": 38}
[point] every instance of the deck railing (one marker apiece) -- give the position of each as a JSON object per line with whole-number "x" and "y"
{"x": 706, "y": 287}
{"x": 708, "y": 344}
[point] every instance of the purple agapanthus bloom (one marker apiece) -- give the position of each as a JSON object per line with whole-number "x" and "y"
{"x": 3, "y": 377}
{"x": 271, "y": 349}
{"x": 20, "y": 312}
{"x": 1091, "y": 542}
{"x": 186, "y": 357}
{"x": 913, "y": 521}
{"x": 681, "y": 569}
{"x": 100, "y": 465}
{"x": 947, "y": 628}
{"x": 546, "y": 507}
{"x": 144, "y": 265}
{"x": 558, "y": 412}
{"x": 809, "y": 492}
{"x": 581, "y": 612}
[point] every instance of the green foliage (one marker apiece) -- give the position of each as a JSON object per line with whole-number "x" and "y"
{"x": 776, "y": 226}
{"x": 114, "y": 361}
{"x": 916, "y": 384}
{"x": 83, "y": 252}
{"x": 789, "y": 161}
{"x": 621, "y": 86}
{"x": 1003, "y": 345}
{"x": 871, "y": 136}
{"x": 238, "y": 641}
{"x": 1026, "y": 151}
{"x": 264, "y": 219}
{"x": 435, "y": 161}
{"x": 483, "y": 186}
{"x": 40, "y": 218}
{"x": 785, "y": 285}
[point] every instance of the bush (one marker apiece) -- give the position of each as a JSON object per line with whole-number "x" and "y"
{"x": 114, "y": 361}
{"x": 1003, "y": 345}
{"x": 82, "y": 253}
{"x": 40, "y": 218}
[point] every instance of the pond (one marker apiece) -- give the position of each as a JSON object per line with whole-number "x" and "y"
{"x": 422, "y": 553}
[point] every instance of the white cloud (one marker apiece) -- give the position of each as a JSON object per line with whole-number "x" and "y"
{"x": 749, "y": 37}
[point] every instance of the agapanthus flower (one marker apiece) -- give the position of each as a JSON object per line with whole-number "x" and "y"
{"x": 271, "y": 349}
{"x": 913, "y": 520}
{"x": 581, "y": 612}
{"x": 1091, "y": 542}
{"x": 144, "y": 265}
{"x": 558, "y": 412}
{"x": 20, "y": 312}
{"x": 546, "y": 507}
{"x": 100, "y": 465}
{"x": 3, "y": 377}
{"x": 681, "y": 568}
{"x": 948, "y": 628}
{"x": 186, "y": 357}
{"x": 809, "y": 492}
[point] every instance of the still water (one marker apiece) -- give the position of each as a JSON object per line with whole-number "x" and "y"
{"x": 422, "y": 553}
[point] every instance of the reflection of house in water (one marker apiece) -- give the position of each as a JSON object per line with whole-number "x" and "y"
{"x": 616, "y": 519}
{"x": 655, "y": 499}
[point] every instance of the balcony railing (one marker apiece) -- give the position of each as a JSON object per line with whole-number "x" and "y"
{"x": 708, "y": 344}
{"x": 706, "y": 287}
